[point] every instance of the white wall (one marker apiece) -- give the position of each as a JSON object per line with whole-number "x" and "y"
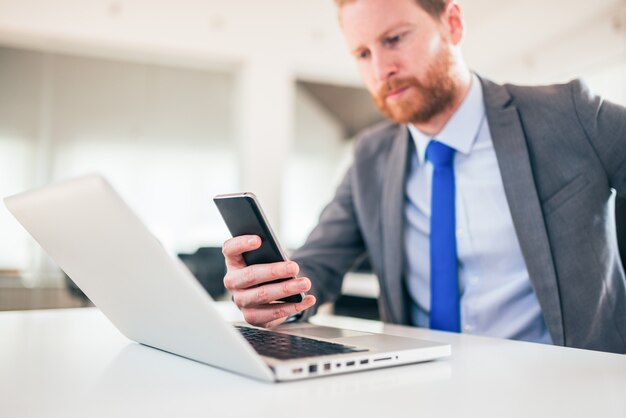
{"x": 610, "y": 82}
{"x": 317, "y": 161}
{"x": 163, "y": 136}
{"x": 20, "y": 102}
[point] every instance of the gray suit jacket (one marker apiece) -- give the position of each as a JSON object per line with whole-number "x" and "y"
{"x": 560, "y": 151}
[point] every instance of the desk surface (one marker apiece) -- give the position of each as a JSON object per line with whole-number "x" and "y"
{"x": 67, "y": 363}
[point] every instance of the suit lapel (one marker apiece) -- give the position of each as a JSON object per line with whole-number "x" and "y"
{"x": 393, "y": 227}
{"x": 512, "y": 153}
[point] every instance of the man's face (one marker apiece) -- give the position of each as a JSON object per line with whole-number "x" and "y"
{"x": 404, "y": 56}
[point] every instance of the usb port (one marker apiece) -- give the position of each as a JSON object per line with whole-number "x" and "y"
{"x": 350, "y": 363}
{"x": 364, "y": 361}
{"x": 313, "y": 368}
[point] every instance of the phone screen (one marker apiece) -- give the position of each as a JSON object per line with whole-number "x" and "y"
{"x": 243, "y": 216}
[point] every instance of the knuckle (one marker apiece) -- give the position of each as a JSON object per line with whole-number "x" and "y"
{"x": 246, "y": 301}
{"x": 262, "y": 297}
{"x": 295, "y": 308}
{"x": 275, "y": 270}
{"x": 248, "y": 276}
{"x": 301, "y": 306}
{"x": 279, "y": 313}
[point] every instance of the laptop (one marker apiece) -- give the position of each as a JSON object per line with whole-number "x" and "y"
{"x": 153, "y": 299}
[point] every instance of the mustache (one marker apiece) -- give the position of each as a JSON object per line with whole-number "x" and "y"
{"x": 396, "y": 84}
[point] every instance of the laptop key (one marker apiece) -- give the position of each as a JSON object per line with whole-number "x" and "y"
{"x": 286, "y": 347}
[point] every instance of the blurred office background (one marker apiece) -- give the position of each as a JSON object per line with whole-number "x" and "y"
{"x": 175, "y": 101}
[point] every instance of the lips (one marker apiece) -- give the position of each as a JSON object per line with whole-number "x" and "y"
{"x": 396, "y": 93}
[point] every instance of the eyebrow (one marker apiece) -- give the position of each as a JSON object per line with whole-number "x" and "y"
{"x": 386, "y": 33}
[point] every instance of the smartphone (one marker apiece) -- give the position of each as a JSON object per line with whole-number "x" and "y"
{"x": 243, "y": 216}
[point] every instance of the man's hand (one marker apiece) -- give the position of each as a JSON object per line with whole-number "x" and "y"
{"x": 259, "y": 303}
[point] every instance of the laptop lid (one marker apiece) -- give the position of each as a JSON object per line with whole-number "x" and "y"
{"x": 151, "y": 297}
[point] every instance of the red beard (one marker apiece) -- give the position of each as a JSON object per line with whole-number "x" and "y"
{"x": 422, "y": 100}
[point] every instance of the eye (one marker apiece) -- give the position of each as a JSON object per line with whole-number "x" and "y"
{"x": 363, "y": 54}
{"x": 391, "y": 41}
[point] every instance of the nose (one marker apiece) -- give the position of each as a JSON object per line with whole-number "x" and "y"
{"x": 384, "y": 65}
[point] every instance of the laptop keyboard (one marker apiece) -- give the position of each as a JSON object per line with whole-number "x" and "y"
{"x": 286, "y": 347}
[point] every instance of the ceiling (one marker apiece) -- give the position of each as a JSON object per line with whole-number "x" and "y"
{"x": 498, "y": 31}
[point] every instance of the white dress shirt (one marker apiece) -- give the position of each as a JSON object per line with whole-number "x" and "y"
{"x": 496, "y": 295}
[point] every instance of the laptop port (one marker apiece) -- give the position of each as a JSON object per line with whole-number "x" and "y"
{"x": 297, "y": 370}
{"x": 326, "y": 367}
{"x": 364, "y": 361}
{"x": 382, "y": 359}
{"x": 338, "y": 365}
{"x": 313, "y": 368}
{"x": 350, "y": 363}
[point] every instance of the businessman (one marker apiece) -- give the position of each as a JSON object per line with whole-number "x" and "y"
{"x": 484, "y": 208}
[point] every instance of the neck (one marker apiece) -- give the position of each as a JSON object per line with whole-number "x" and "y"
{"x": 436, "y": 123}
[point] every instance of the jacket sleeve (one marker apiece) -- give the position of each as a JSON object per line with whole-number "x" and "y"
{"x": 604, "y": 124}
{"x": 332, "y": 247}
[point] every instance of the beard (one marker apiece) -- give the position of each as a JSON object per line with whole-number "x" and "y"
{"x": 424, "y": 99}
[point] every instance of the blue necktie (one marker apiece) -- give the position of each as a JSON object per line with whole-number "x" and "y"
{"x": 445, "y": 312}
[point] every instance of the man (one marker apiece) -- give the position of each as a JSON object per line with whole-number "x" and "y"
{"x": 483, "y": 208}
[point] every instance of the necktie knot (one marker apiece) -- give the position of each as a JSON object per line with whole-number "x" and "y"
{"x": 439, "y": 154}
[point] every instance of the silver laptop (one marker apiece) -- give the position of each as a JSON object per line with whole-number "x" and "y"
{"x": 153, "y": 299}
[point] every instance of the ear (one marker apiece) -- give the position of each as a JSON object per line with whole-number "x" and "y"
{"x": 453, "y": 19}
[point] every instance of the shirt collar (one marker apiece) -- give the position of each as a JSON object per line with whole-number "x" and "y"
{"x": 461, "y": 131}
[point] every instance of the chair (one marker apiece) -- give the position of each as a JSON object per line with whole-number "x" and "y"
{"x": 358, "y": 306}
{"x": 207, "y": 264}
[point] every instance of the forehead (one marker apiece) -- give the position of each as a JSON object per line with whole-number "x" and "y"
{"x": 364, "y": 21}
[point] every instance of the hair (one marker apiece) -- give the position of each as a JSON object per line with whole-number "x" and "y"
{"x": 435, "y": 8}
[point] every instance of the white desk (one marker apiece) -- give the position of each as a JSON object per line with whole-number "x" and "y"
{"x": 74, "y": 363}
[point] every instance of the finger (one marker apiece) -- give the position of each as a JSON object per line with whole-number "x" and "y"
{"x": 274, "y": 323}
{"x": 244, "y": 278}
{"x": 272, "y": 313}
{"x": 267, "y": 293}
{"x": 234, "y": 247}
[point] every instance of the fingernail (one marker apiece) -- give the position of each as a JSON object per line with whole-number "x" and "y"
{"x": 251, "y": 241}
{"x": 303, "y": 284}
